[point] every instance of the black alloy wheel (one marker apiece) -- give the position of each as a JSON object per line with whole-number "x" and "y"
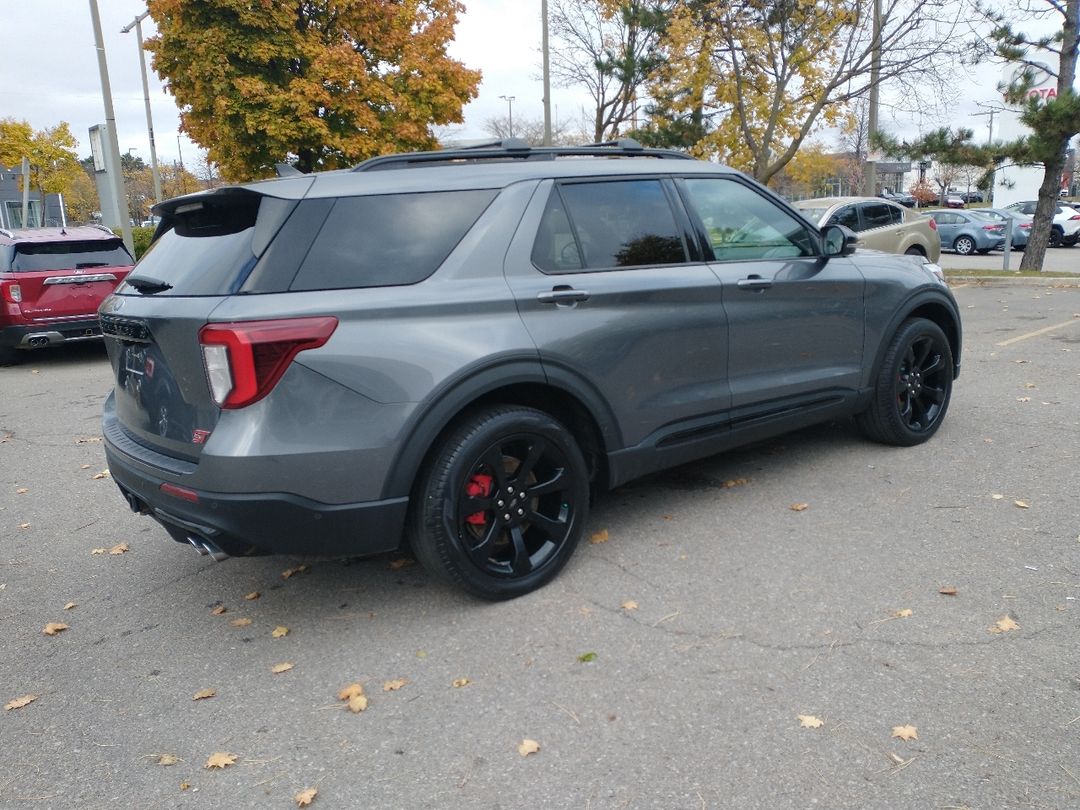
{"x": 504, "y": 505}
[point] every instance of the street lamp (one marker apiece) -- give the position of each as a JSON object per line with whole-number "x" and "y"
{"x": 510, "y": 105}
{"x": 137, "y": 25}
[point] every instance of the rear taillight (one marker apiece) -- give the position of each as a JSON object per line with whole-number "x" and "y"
{"x": 1025, "y": 225}
{"x": 933, "y": 224}
{"x": 12, "y": 292}
{"x": 993, "y": 228}
{"x": 245, "y": 360}
{"x": 1074, "y": 216}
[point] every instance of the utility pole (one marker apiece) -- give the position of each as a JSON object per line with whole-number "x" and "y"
{"x": 870, "y": 178}
{"x": 547, "y": 73}
{"x": 510, "y": 104}
{"x": 990, "y": 112}
{"x": 110, "y": 125}
{"x": 137, "y": 25}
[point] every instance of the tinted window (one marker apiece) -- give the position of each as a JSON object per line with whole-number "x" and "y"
{"x": 742, "y": 224}
{"x": 70, "y": 255}
{"x": 389, "y": 239}
{"x": 555, "y": 249}
{"x": 847, "y": 216}
{"x": 878, "y": 215}
{"x": 622, "y": 223}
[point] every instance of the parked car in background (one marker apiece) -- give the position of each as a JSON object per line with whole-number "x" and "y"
{"x": 52, "y": 281}
{"x": 955, "y": 201}
{"x": 965, "y": 233}
{"x": 906, "y": 200}
{"x": 451, "y": 349}
{"x": 879, "y": 224}
{"x": 971, "y": 196}
{"x": 1065, "y": 229}
{"x": 1020, "y": 224}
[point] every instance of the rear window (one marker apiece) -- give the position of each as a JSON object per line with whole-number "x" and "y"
{"x": 389, "y": 239}
{"x": 33, "y": 256}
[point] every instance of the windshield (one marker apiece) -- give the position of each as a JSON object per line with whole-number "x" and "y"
{"x": 37, "y": 256}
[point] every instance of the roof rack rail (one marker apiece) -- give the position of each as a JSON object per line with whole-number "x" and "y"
{"x": 7, "y": 233}
{"x": 510, "y": 149}
{"x": 101, "y": 227}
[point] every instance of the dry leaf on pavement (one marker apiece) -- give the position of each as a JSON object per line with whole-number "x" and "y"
{"x": 18, "y": 703}
{"x": 528, "y": 746}
{"x": 997, "y": 496}
{"x": 1022, "y": 504}
{"x": 905, "y": 732}
{"x": 809, "y": 721}
{"x": 280, "y": 631}
{"x": 100, "y": 475}
{"x": 357, "y": 703}
{"x": 394, "y": 685}
{"x": 241, "y": 622}
{"x": 903, "y": 614}
{"x": 599, "y": 537}
{"x": 252, "y": 595}
{"x": 1004, "y": 625}
{"x": 290, "y": 572}
{"x": 350, "y": 691}
{"x": 401, "y": 562}
{"x": 203, "y": 694}
{"x": 285, "y": 666}
{"x": 947, "y": 591}
{"x": 97, "y": 551}
{"x": 306, "y": 797}
{"x": 799, "y": 507}
{"x": 21, "y": 491}
{"x": 24, "y": 525}
{"x": 119, "y": 548}
{"x": 460, "y": 682}
{"x": 167, "y": 759}
{"x": 70, "y": 605}
{"x": 217, "y": 610}
{"x": 629, "y": 604}
{"x": 220, "y": 760}
{"x": 52, "y": 628}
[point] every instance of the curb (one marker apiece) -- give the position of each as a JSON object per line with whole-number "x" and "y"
{"x": 1057, "y": 282}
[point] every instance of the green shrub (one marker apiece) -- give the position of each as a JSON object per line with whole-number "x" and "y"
{"x": 141, "y": 238}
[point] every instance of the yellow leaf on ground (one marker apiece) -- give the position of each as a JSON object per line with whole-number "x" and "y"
{"x": 460, "y": 682}
{"x": 252, "y": 595}
{"x": 184, "y": 786}
{"x": 733, "y": 482}
{"x": 203, "y": 694}
{"x": 357, "y": 703}
{"x": 528, "y": 746}
{"x": 629, "y": 604}
{"x": 220, "y": 760}
{"x": 70, "y": 605}
{"x": 168, "y": 759}
{"x": 905, "y": 613}
{"x": 401, "y": 562}
{"x": 394, "y": 685}
{"x": 241, "y": 622}
{"x": 1022, "y": 504}
{"x": 119, "y": 548}
{"x": 285, "y": 666}
{"x": 88, "y": 440}
{"x": 1023, "y": 399}
{"x": 305, "y": 797}
{"x": 100, "y": 475}
{"x": 599, "y": 537}
{"x": 217, "y": 610}
{"x": 280, "y": 631}
{"x": 85, "y": 467}
{"x": 1004, "y": 625}
{"x": 799, "y": 507}
{"x": 947, "y": 591}
{"x": 97, "y": 551}
{"x": 18, "y": 703}
{"x": 52, "y": 628}
{"x": 905, "y": 732}
{"x": 809, "y": 721}
{"x": 21, "y": 491}
{"x": 24, "y": 525}
{"x": 290, "y": 572}
{"x": 351, "y": 691}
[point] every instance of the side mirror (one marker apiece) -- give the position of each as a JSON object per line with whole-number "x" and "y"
{"x": 839, "y": 241}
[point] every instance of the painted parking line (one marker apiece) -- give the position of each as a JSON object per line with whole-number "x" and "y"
{"x": 1038, "y": 332}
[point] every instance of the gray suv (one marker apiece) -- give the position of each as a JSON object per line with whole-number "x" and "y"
{"x": 453, "y": 349}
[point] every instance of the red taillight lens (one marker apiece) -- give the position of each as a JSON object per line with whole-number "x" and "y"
{"x": 1025, "y": 225}
{"x": 1075, "y": 216}
{"x": 992, "y": 228}
{"x": 12, "y": 292}
{"x": 245, "y": 360}
{"x": 933, "y": 224}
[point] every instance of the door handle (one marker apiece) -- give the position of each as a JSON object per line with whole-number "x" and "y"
{"x": 562, "y": 295}
{"x": 755, "y": 282}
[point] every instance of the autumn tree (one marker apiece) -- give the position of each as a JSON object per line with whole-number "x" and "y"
{"x": 773, "y": 71}
{"x": 54, "y": 164}
{"x": 610, "y": 49}
{"x": 808, "y": 173}
{"x": 322, "y": 83}
{"x": 952, "y": 151}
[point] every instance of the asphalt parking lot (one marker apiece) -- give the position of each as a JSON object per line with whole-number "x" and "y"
{"x": 683, "y": 662}
{"x": 1057, "y": 260}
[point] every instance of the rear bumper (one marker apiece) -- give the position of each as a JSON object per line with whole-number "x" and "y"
{"x": 259, "y": 523}
{"x": 37, "y": 336}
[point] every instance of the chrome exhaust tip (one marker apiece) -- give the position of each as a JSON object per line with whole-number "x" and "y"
{"x": 198, "y": 546}
{"x": 205, "y": 547}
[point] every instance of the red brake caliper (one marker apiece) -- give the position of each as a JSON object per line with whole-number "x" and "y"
{"x": 479, "y": 486}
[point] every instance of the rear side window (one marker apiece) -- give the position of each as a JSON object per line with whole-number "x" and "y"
{"x": 879, "y": 215}
{"x": 31, "y": 257}
{"x": 389, "y": 239}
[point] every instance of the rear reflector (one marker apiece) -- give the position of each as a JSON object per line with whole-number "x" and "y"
{"x": 183, "y": 494}
{"x": 245, "y": 360}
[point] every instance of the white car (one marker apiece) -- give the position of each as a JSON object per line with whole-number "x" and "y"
{"x": 1066, "y": 228}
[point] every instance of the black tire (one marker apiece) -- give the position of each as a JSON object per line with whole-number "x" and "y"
{"x": 964, "y": 245}
{"x": 915, "y": 251}
{"x": 469, "y": 523}
{"x": 1056, "y": 236}
{"x": 913, "y": 386}
{"x": 9, "y": 356}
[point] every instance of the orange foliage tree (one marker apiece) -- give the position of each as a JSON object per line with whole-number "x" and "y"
{"x": 320, "y": 84}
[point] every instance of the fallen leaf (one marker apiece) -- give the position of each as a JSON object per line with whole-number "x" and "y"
{"x": 85, "y": 467}
{"x": 242, "y": 622}
{"x": 599, "y": 537}
{"x": 1004, "y": 625}
{"x": 357, "y": 703}
{"x": 285, "y": 666}
{"x": 88, "y": 440}
{"x": 18, "y": 703}
{"x": 903, "y": 614}
{"x": 203, "y": 694}
{"x": 947, "y": 591}
{"x": 401, "y": 562}
{"x": 460, "y": 682}
{"x": 24, "y": 525}
{"x": 997, "y": 497}
{"x": 119, "y": 548}
{"x": 351, "y": 691}
{"x": 899, "y": 760}
{"x": 1023, "y": 399}
{"x": 306, "y": 797}
{"x": 289, "y": 572}
{"x": 1022, "y": 504}
{"x": 585, "y": 658}
{"x": 70, "y": 605}
{"x": 799, "y": 507}
{"x": 809, "y": 721}
{"x": 394, "y": 685}
{"x": 905, "y": 732}
{"x": 21, "y": 491}
{"x": 528, "y": 746}
{"x": 733, "y": 482}
{"x": 280, "y": 631}
{"x": 52, "y": 628}
{"x": 1029, "y": 385}
{"x": 220, "y": 760}
{"x": 100, "y": 475}
{"x": 168, "y": 759}
{"x": 184, "y": 786}
{"x": 218, "y": 610}
{"x": 629, "y": 604}
{"x": 97, "y": 551}
{"x": 252, "y": 595}
{"x": 34, "y": 371}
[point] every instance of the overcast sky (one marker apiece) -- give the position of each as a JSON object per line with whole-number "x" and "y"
{"x": 49, "y": 73}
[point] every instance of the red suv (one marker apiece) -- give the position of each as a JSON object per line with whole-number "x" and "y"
{"x": 52, "y": 281}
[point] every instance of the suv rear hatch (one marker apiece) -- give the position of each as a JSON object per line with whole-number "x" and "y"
{"x": 204, "y": 249}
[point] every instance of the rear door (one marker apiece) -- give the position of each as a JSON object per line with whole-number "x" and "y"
{"x": 883, "y": 226}
{"x": 62, "y": 281}
{"x": 948, "y": 225}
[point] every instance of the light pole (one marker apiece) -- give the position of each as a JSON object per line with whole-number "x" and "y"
{"x": 510, "y": 105}
{"x": 547, "y": 72}
{"x": 137, "y": 25}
